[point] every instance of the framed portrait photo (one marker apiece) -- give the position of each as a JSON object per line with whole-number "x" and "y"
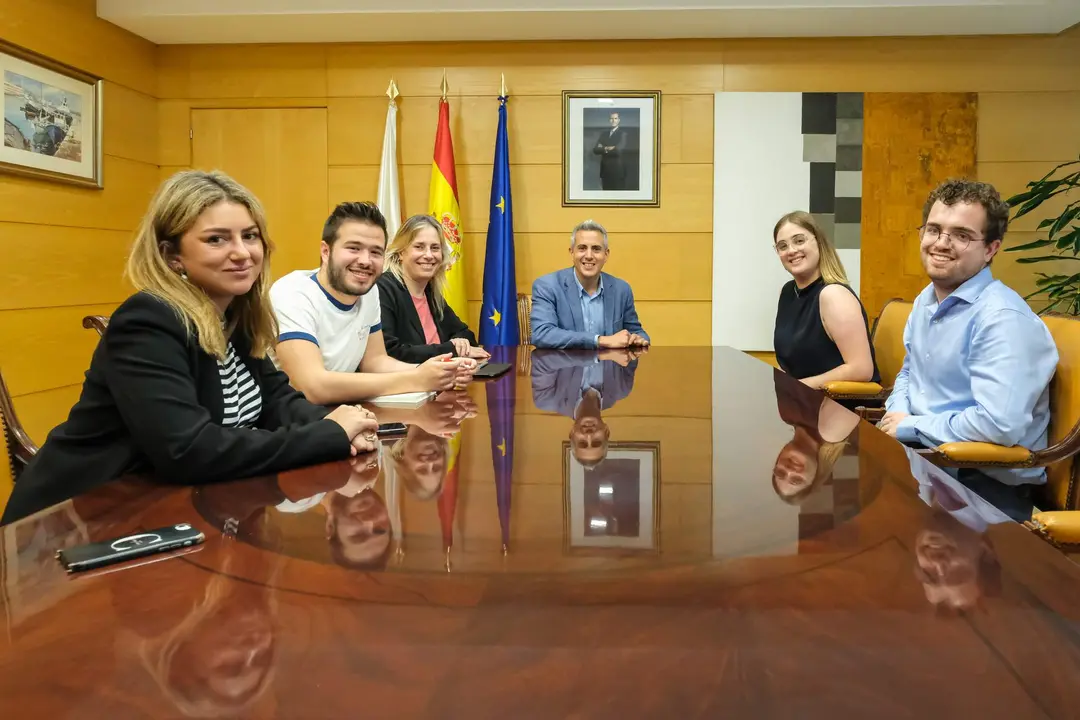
{"x": 615, "y": 504}
{"x": 611, "y": 148}
{"x": 52, "y": 119}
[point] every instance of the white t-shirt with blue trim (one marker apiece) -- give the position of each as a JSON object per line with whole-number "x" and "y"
{"x": 305, "y": 311}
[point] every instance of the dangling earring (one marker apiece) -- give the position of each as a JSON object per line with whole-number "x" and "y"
{"x": 183, "y": 275}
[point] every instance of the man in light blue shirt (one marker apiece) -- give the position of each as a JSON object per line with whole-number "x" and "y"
{"x": 978, "y": 361}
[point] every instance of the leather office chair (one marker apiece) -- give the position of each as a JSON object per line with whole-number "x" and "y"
{"x": 96, "y": 322}
{"x": 18, "y": 446}
{"x": 1060, "y": 522}
{"x": 524, "y": 303}
{"x": 887, "y": 337}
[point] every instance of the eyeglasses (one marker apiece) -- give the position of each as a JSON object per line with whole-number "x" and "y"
{"x": 797, "y": 241}
{"x": 958, "y": 237}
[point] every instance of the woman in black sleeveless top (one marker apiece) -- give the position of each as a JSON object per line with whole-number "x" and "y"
{"x": 821, "y": 332}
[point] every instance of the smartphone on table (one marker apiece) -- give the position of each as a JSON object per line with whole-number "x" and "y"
{"x": 136, "y": 545}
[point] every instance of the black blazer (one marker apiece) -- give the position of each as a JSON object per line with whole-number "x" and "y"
{"x": 152, "y": 403}
{"x": 402, "y": 332}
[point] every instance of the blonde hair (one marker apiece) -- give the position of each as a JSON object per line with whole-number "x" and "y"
{"x": 176, "y": 206}
{"x": 397, "y": 458}
{"x": 403, "y": 238}
{"x": 829, "y": 265}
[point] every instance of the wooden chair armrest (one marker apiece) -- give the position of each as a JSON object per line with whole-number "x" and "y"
{"x": 1059, "y": 527}
{"x": 981, "y": 454}
{"x": 870, "y": 414}
{"x": 852, "y": 390}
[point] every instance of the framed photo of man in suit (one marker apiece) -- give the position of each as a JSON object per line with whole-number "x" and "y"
{"x": 614, "y": 505}
{"x": 611, "y": 148}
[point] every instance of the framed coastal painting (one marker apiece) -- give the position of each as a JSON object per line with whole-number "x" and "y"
{"x": 614, "y": 504}
{"x": 611, "y": 148}
{"x": 52, "y": 119}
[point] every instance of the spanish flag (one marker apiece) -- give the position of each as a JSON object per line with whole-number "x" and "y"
{"x": 443, "y": 205}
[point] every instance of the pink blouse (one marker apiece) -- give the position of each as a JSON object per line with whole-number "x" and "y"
{"x": 427, "y": 321}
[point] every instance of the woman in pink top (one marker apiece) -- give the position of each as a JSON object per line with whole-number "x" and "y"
{"x": 417, "y": 324}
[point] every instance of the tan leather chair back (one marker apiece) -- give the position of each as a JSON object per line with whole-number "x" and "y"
{"x": 888, "y": 340}
{"x": 524, "y": 323}
{"x": 1061, "y": 492}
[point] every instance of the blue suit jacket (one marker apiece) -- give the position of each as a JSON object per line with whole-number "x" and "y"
{"x": 556, "y": 380}
{"x": 556, "y": 311}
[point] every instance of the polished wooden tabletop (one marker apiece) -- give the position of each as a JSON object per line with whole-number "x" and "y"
{"x": 686, "y": 534}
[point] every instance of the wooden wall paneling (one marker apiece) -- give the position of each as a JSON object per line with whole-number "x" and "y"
{"x": 540, "y": 68}
{"x": 54, "y": 266}
{"x": 280, "y": 155}
{"x": 903, "y": 64}
{"x": 119, "y": 206}
{"x": 47, "y": 348}
{"x": 130, "y": 124}
{"x": 911, "y": 142}
{"x": 1029, "y": 126}
{"x": 71, "y": 32}
{"x": 535, "y": 129}
{"x": 174, "y": 132}
{"x": 40, "y": 412}
{"x": 241, "y": 71}
{"x": 682, "y": 269}
{"x": 685, "y": 198}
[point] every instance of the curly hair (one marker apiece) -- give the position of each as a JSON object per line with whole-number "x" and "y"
{"x": 954, "y": 191}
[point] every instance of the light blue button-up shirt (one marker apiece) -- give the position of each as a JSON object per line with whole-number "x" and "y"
{"x": 592, "y": 308}
{"x": 977, "y": 369}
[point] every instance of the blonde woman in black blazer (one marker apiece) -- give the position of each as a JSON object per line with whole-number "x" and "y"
{"x": 180, "y": 386}
{"x": 415, "y": 275}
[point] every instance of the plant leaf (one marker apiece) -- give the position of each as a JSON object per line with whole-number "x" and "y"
{"x": 1044, "y": 258}
{"x": 1063, "y": 220}
{"x": 1031, "y": 245}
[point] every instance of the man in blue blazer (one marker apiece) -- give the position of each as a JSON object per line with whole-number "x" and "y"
{"x": 581, "y": 306}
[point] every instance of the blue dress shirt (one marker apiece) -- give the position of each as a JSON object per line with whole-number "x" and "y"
{"x": 592, "y": 308}
{"x": 977, "y": 369}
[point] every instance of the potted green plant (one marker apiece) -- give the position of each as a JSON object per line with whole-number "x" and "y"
{"x": 1062, "y": 291}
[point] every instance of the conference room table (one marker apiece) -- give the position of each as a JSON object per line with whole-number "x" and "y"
{"x": 688, "y": 533}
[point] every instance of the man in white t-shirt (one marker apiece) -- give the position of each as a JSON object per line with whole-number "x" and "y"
{"x": 330, "y": 340}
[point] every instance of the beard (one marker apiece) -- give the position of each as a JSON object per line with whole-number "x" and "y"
{"x": 342, "y": 281}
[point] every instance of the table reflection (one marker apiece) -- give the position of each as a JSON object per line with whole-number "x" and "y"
{"x": 822, "y": 431}
{"x": 955, "y": 558}
{"x": 211, "y": 648}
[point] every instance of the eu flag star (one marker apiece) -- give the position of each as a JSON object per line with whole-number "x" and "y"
{"x": 502, "y": 447}
{"x": 501, "y": 204}
{"x": 495, "y": 317}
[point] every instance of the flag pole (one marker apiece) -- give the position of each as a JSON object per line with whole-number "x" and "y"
{"x": 502, "y": 85}
{"x": 392, "y": 91}
{"x": 445, "y": 87}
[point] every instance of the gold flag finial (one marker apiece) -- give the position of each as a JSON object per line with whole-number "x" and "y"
{"x": 502, "y": 85}
{"x": 445, "y": 87}
{"x": 392, "y": 91}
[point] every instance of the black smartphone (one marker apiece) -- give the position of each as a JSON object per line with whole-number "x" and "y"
{"x": 391, "y": 429}
{"x": 95, "y": 555}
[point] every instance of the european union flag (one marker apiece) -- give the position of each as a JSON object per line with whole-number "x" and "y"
{"x": 498, "y": 314}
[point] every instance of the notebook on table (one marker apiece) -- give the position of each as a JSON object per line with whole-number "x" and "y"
{"x": 403, "y": 400}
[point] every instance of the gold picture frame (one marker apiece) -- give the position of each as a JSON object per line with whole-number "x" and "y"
{"x": 611, "y": 148}
{"x": 52, "y": 119}
{"x": 614, "y": 506}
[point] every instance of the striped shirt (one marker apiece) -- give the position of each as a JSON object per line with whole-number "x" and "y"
{"x": 243, "y": 402}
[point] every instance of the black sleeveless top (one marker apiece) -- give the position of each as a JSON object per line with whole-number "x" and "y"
{"x": 803, "y": 348}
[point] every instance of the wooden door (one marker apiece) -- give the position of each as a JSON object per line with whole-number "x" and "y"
{"x": 279, "y": 154}
{"x": 911, "y": 143}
